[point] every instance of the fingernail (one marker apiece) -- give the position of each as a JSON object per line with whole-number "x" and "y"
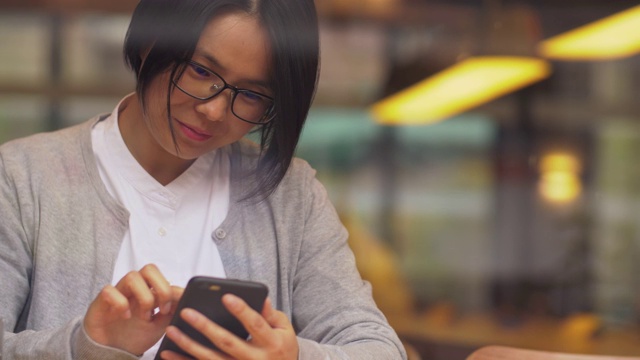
{"x": 127, "y": 314}
{"x": 166, "y": 308}
{"x": 173, "y": 333}
{"x": 232, "y": 300}
{"x": 189, "y": 315}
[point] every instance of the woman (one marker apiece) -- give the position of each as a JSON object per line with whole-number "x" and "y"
{"x": 105, "y": 222}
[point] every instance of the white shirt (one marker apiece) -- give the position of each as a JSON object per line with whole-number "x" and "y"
{"x": 170, "y": 226}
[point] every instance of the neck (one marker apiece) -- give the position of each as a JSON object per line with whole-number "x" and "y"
{"x": 161, "y": 164}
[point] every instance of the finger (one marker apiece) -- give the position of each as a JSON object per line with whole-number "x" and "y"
{"x": 170, "y": 355}
{"x": 275, "y": 318}
{"x": 165, "y": 319}
{"x": 190, "y": 346}
{"x": 110, "y": 300}
{"x": 176, "y": 295}
{"x": 135, "y": 288}
{"x": 222, "y": 338}
{"x": 252, "y": 321}
{"x": 160, "y": 287}
{"x": 268, "y": 312}
{"x": 108, "y": 307}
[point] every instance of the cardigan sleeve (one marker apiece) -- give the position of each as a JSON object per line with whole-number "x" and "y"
{"x": 331, "y": 303}
{"x": 15, "y": 253}
{"x": 18, "y": 231}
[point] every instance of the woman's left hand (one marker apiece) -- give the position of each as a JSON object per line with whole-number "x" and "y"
{"x": 272, "y": 335}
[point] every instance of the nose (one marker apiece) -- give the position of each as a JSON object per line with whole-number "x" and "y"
{"x": 216, "y": 108}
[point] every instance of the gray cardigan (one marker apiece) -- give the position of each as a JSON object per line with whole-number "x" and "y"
{"x": 60, "y": 232}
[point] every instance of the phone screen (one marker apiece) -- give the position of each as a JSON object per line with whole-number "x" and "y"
{"x": 204, "y": 294}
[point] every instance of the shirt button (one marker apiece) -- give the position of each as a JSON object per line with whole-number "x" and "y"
{"x": 162, "y": 231}
{"x": 220, "y": 233}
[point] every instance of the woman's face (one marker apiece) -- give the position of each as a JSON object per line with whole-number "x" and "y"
{"x": 235, "y": 46}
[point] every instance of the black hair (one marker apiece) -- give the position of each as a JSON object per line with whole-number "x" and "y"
{"x": 163, "y": 34}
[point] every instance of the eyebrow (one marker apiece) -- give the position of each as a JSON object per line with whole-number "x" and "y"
{"x": 213, "y": 61}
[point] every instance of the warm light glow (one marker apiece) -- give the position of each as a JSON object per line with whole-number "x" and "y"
{"x": 459, "y": 88}
{"x": 614, "y": 37}
{"x": 580, "y": 327}
{"x": 560, "y": 178}
{"x": 562, "y": 162}
{"x": 560, "y": 187}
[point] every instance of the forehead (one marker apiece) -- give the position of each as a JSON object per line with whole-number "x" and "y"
{"x": 237, "y": 45}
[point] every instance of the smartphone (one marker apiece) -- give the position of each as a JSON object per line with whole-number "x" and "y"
{"x": 204, "y": 294}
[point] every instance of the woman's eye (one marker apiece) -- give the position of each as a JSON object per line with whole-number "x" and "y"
{"x": 251, "y": 96}
{"x": 200, "y": 71}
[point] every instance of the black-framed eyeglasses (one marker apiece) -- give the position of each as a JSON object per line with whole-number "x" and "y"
{"x": 202, "y": 83}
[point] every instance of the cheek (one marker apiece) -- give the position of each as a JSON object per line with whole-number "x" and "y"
{"x": 182, "y": 105}
{"x": 158, "y": 126}
{"x": 178, "y": 98}
{"x": 241, "y": 128}
{"x": 156, "y": 118}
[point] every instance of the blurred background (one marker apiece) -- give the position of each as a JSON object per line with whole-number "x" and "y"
{"x": 481, "y": 154}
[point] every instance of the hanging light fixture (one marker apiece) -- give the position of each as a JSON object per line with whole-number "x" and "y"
{"x": 508, "y": 63}
{"x": 468, "y": 84}
{"x": 614, "y": 37}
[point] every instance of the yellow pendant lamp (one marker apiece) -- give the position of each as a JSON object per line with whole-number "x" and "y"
{"x": 461, "y": 87}
{"x": 508, "y": 63}
{"x": 614, "y": 37}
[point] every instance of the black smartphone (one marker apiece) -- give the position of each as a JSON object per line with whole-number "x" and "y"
{"x": 204, "y": 294}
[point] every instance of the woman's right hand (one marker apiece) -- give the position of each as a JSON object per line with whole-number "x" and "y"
{"x": 123, "y": 316}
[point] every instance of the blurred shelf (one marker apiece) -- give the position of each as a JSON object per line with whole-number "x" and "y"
{"x": 53, "y": 87}
{"x": 397, "y": 13}
{"x": 70, "y": 6}
{"x": 59, "y": 92}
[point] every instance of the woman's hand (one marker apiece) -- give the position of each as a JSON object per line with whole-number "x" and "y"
{"x": 272, "y": 335}
{"x": 123, "y": 316}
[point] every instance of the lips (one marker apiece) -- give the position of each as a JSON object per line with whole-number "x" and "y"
{"x": 193, "y": 134}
